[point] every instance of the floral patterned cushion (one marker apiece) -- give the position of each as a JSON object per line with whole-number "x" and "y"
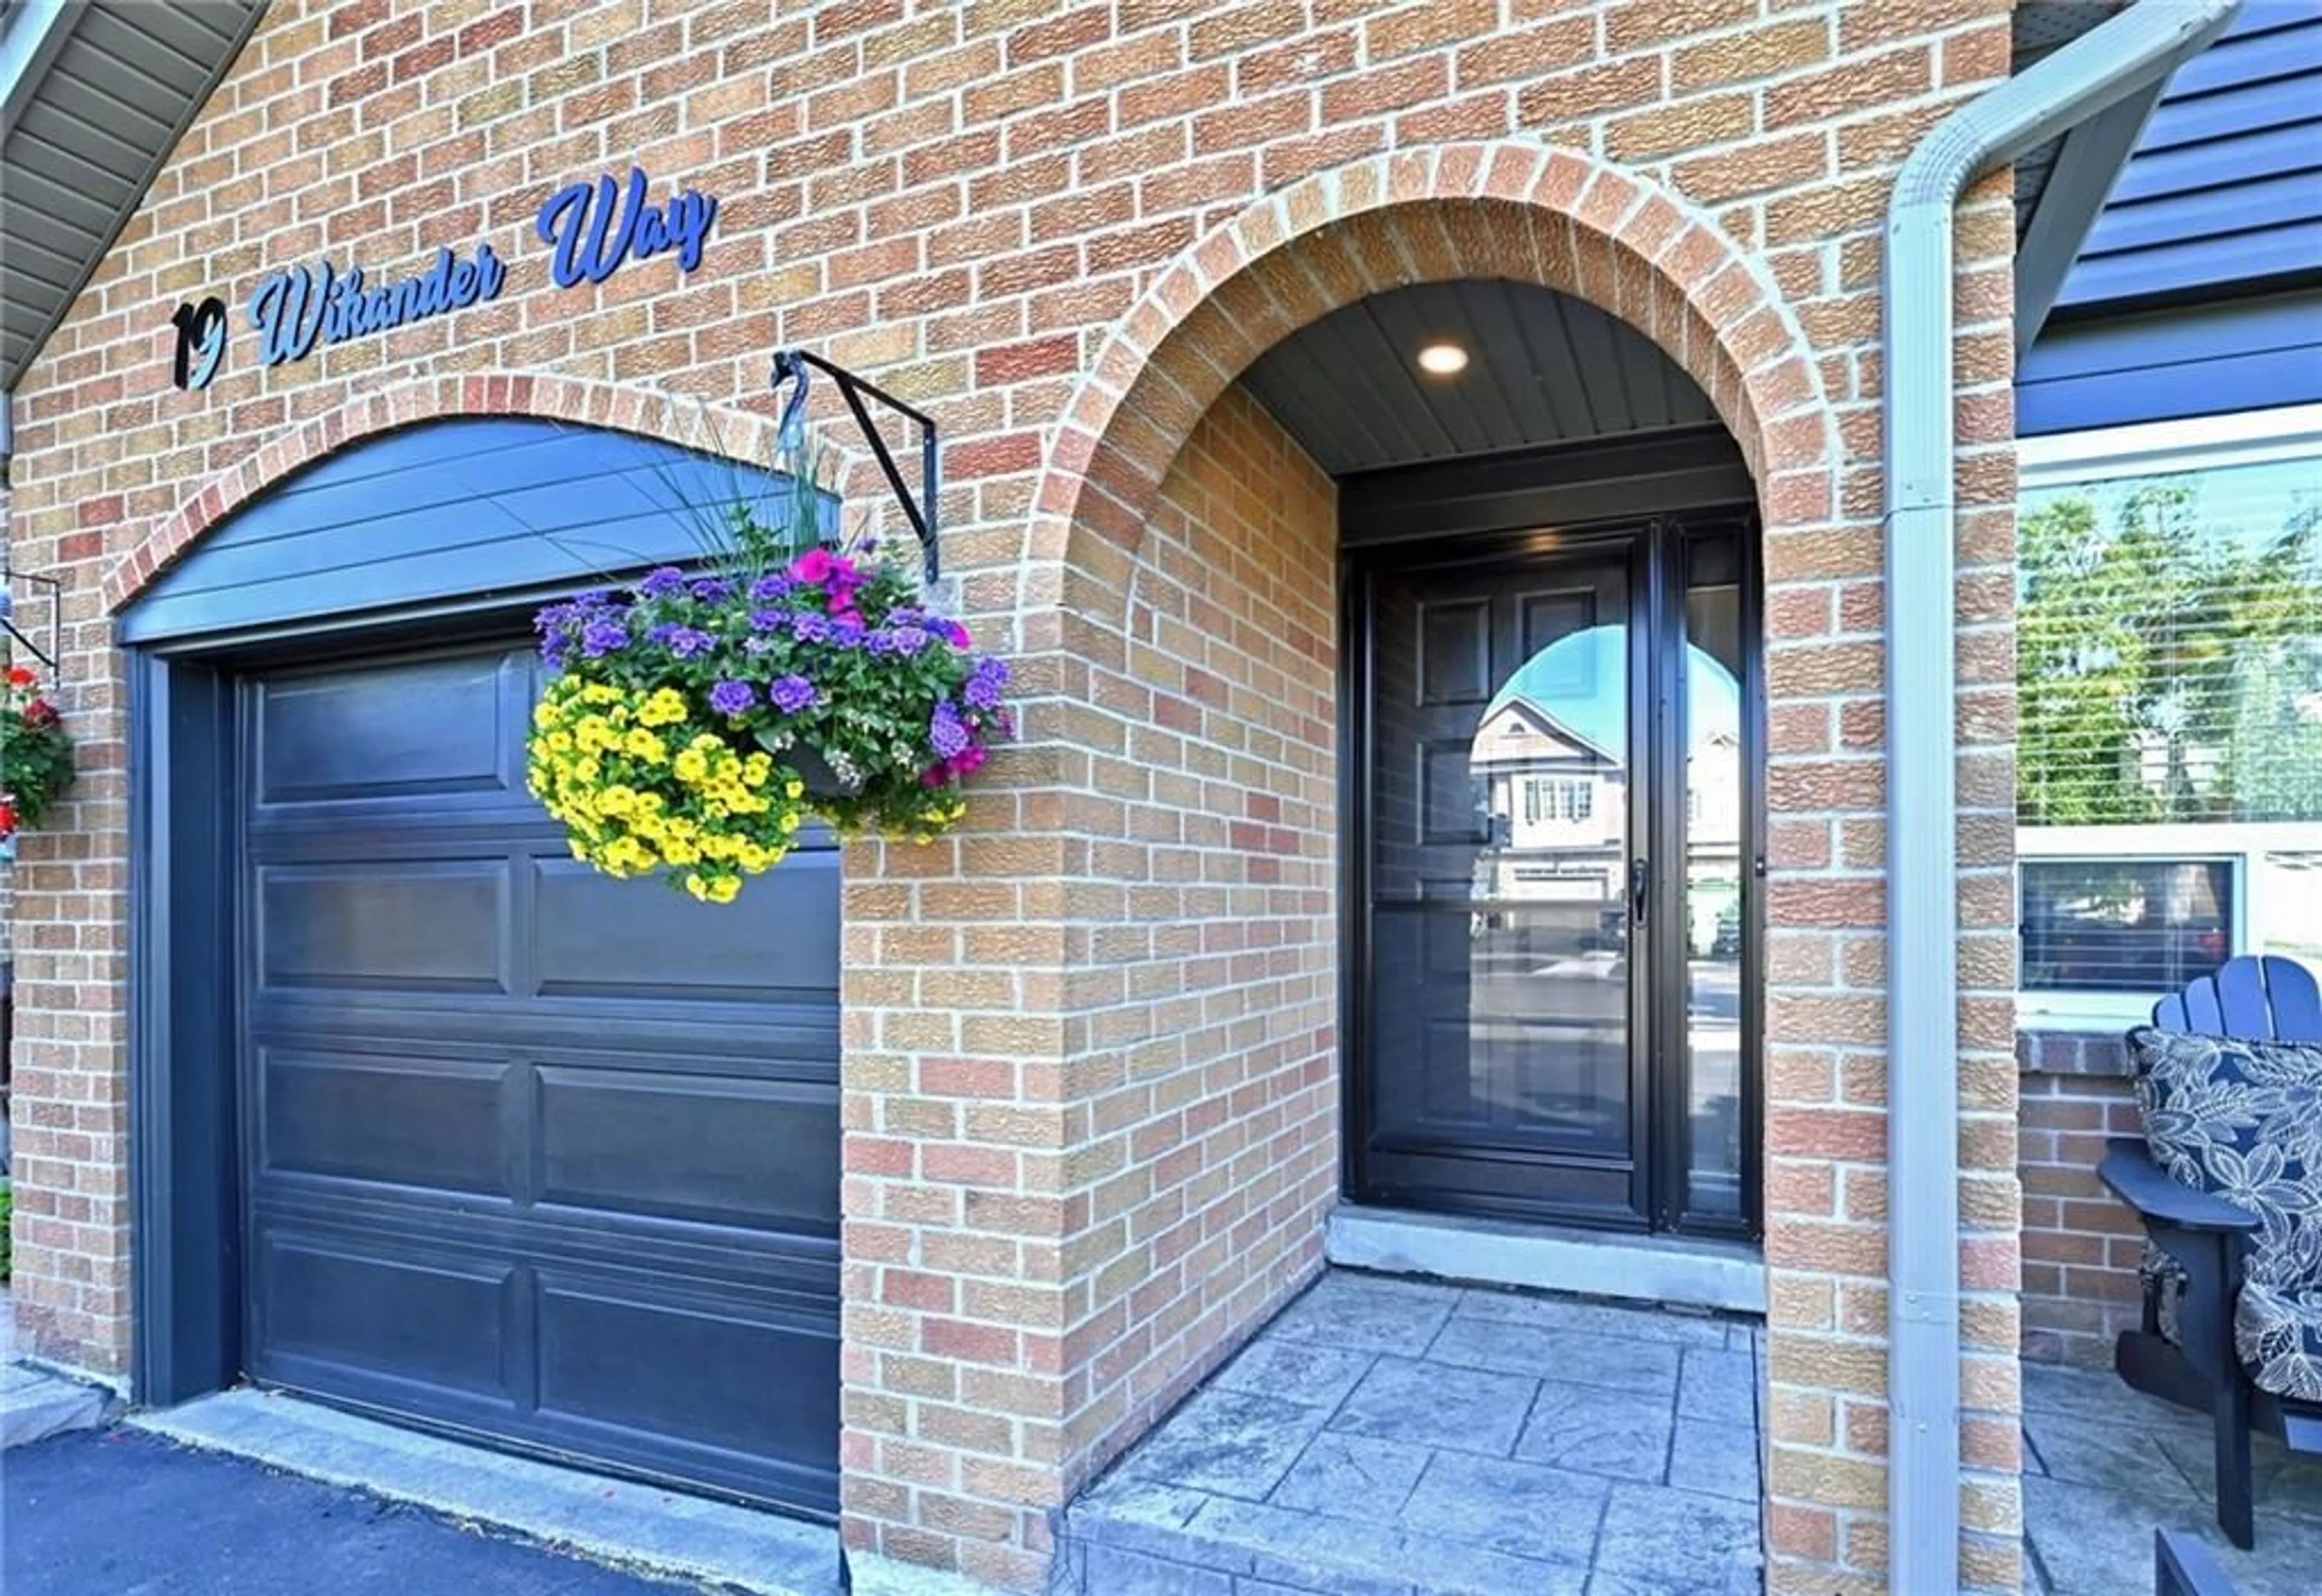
{"x": 2278, "y": 1330}
{"x": 2243, "y": 1119}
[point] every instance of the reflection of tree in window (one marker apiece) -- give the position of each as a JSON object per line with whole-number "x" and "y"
{"x": 2170, "y": 649}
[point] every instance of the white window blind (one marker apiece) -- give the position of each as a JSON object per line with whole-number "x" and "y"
{"x": 2169, "y": 761}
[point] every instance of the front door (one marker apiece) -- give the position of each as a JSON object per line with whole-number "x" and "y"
{"x": 1556, "y": 882}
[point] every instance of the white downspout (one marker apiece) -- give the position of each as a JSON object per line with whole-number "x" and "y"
{"x": 2131, "y": 51}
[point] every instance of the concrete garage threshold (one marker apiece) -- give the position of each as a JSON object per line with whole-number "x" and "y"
{"x": 633, "y": 1525}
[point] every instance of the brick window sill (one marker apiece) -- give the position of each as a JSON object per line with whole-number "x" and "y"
{"x": 2044, "y": 1050}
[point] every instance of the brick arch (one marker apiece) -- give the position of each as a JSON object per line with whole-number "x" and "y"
{"x": 1506, "y": 208}
{"x": 651, "y": 413}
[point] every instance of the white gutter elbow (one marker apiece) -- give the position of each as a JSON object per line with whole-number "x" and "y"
{"x": 2131, "y": 51}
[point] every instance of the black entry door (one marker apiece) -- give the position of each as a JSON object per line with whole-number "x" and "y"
{"x": 533, "y": 1155}
{"x": 1554, "y": 818}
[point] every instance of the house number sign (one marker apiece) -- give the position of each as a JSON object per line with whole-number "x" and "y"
{"x": 592, "y": 230}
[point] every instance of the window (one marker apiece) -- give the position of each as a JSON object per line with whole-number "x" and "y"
{"x": 2168, "y": 659}
{"x": 1549, "y": 797}
{"x": 2138, "y": 925}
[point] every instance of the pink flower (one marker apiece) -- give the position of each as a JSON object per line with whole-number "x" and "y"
{"x": 957, "y": 634}
{"x": 816, "y": 565}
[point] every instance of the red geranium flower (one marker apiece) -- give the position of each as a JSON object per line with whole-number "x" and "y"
{"x": 18, "y": 677}
{"x": 7, "y": 820}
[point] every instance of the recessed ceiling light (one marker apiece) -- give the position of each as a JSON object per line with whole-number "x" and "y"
{"x": 1442, "y": 360}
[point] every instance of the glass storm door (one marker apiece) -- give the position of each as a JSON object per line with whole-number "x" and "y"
{"x": 1552, "y": 1023}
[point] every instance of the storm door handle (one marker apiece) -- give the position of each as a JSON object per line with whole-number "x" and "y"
{"x": 1640, "y": 889}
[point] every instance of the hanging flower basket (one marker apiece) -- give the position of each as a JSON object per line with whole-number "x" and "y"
{"x": 36, "y": 762}
{"x": 695, "y": 721}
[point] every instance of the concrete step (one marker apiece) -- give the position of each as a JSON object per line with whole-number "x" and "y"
{"x": 36, "y": 1405}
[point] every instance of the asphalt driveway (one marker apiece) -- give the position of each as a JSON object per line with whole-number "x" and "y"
{"x": 120, "y": 1513}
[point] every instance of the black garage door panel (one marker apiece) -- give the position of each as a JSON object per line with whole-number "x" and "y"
{"x": 338, "y": 736}
{"x": 534, "y": 1154}
{"x": 436, "y": 1323}
{"x": 590, "y": 1154}
{"x": 383, "y": 926}
{"x": 427, "y": 1122}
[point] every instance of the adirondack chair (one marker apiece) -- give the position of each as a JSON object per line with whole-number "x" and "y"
{"x": 2229, "y": 1088}
{"x": 2184, "y": 1566}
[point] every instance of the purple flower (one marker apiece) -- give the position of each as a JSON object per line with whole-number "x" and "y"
{"x": 791, "y": 694}
{"x": 812, "y": 628}
{"x": 732, "y": 697}
{"x": 904, "y": 614}
{"x": 946, "y": 735}
{"x": 769, "y": 620}
{"x": 713, "y": 590}
{"x": 983, "y": 684}
{"x": 662, "y": 581}
{"x": 846, "y": 631}
{"x": 766, "y": 590}
{"x": 685, "y": 643}
{"x": 601, "y": 638}
{"x": 908, "y": 640}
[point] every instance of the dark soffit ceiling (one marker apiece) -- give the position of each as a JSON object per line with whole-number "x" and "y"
{"x": 1543, "y": 368}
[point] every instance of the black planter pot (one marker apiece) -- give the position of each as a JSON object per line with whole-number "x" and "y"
{"x": 821, "y": 781}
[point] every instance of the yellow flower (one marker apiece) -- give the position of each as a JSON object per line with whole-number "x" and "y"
{"x": 692, "y": 766}
{"x": 795, "y": 790}
{"x": 643, "y": 745}
{"x": 666, "y": 706}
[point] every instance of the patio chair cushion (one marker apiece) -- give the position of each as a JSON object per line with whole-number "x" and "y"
{"x": 2243, "y": 1118}
{"x": 2278, "y": 1331}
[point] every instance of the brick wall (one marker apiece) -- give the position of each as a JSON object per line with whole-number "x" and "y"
{"x": 2081, "y": 1243}
{"x": 1063, "y": 232}
{"x": 1216, "y": 1126}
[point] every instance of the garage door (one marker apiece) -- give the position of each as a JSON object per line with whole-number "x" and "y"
{"x": 533, "y": 1155}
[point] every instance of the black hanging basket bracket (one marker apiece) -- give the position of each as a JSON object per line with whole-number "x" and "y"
{"x": 791, "y": 363}
{"x": 54, "y": 590}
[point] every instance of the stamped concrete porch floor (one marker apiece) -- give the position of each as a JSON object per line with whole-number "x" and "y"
{"x": 1395, "y": 1437}
{"x": 2104, "y": 1467}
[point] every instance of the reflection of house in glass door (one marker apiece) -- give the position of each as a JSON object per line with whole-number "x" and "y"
{"x": 1558, "y": 801}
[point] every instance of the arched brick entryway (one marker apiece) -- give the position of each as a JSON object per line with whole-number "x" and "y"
{"x": 1152, "y": 417}
{"x": 1526, "y": 212}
